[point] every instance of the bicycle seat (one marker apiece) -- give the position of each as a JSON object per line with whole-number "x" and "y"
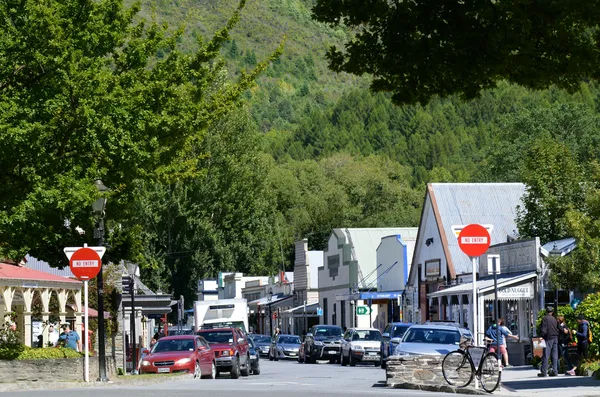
{"x": 488, "y": 340}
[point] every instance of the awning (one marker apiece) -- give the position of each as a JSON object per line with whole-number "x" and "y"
{"x": 510, "y": 287}
{"x": 310, "y": 308}
{"x": 276, "y": 301}
{"x": 381, "y": 295}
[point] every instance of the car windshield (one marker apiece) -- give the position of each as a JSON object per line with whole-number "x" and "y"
{"x": 173, "y": 345}
{"x": 432, "y": 335}
{"x": 176, "y": 331}
{"x": 261, "y": 339}
{"x": 399, "y": 331}
{"x": 217, "y": 336}
{"x": 366, "y": 335}
{"x": 251, "y": 343}
{"x": 329, "y": 331}
{"x": 289, "y": 339}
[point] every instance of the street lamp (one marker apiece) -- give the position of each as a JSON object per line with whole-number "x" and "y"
{"x": 98, "y": 208}
{"x": 555, "y": 253}
{"x": 269, "y": 299}
{"x": 132, "y": 270}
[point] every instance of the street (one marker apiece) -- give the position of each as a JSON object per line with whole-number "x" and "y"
{"x": 281, "y": 379}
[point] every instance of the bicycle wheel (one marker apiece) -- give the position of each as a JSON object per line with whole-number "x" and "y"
{"x": 457, "y": 369}
{"x": 489, "y": 373}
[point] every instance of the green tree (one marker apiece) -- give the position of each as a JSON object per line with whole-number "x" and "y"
{"x": 84, "y": 96}
{"x": 553, "y": 182}
{"x": 419, "y": 49}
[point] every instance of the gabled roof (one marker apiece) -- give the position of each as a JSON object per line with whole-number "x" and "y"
{"x": 15, "y": 272}
{"x": 364, "y": 243}
{"x": 466, "y": 203}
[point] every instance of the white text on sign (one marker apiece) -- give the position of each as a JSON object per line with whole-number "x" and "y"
{"x": 473, "y": 240}
{"x": 85, "y": 263}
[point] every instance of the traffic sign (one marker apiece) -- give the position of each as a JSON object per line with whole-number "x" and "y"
{"x": 474, "y": 240}
{"x": 85, "y": 263}
{"x": 319, "y": 311}
{"x": 362, "y": 310}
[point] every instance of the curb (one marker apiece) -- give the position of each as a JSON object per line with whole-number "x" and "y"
{"x": 123, "y": 381}
{"x": 440, "y": 388}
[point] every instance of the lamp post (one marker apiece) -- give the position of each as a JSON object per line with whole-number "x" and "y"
{"x": 98, "y": 209}
{"x": 555, "y": 253}
{"x": 132, "y": 270}
{"x": 269, "y": 299}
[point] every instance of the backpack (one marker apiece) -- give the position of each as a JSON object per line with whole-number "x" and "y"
{"x": 589, "y": 333}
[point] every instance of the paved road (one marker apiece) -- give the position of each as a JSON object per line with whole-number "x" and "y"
{"x": 277, "y": 379}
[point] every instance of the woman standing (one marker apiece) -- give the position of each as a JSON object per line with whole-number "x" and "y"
{"x": 564, "y": 338}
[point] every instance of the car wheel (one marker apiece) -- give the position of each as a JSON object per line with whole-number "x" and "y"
{"x": 352, "y": 359}
{"x": 235, "y": 369}
{"x": 377, "y": 363}
{"x": 213, "y": 371}
{"x": 197, "y": 371}
{"x": 256, "y": 370}
{"x": 246, "y": 370}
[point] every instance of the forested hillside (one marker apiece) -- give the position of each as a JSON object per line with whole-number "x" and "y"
{"x": 320, "y": 151}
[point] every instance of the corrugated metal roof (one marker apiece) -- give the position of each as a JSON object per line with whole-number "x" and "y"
{"x": 483, "y": 203}
{"x": 364, "y": 243}
{"x": 483, "y": 285}
{"x": 39, "y": 265}
{"x": 10, "y": 271}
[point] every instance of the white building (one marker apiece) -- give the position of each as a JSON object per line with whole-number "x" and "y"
{"x": 438, "y": 261}
{"x": 395, "y": 253}
{"x": 207, "y": 290}
{"x": 349, "y": 271}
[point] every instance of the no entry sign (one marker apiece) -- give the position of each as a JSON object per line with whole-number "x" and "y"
{"x": 474, "y": 240}
{"x": 85, "y": 263}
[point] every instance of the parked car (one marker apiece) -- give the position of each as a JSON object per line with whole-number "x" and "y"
{"x": 254, "y": 358}
{"x": 286, "y": 346}
{"x": 232, "y": 352}
{"x": 392, "y": 334}
{"x": 361, "y": 345}
{"x": 322, "y": 342}
{"x": 180, "y": 353}
{"x": 431, "y": 339}
{"x": 262, "y": 343}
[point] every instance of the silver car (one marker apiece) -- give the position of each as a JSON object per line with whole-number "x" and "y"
{"x": 286, "y": 346}
{"x": 431, "y": 339}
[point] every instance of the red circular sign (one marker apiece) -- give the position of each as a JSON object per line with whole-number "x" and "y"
{"x": 85, "y": 263}
{"x": 474, "y": 240}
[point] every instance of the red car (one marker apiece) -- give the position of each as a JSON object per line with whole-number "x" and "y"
{"x": 181, "y": 353}
{"x": 231, "y": 350}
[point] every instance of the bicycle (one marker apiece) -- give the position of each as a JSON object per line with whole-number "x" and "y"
{"x": 459, "y": 367}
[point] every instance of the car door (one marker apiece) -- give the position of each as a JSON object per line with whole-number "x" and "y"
{"x": 242, "y": 347}
{"x": 205, "y": 355}
{"x": 385, "y": 340}
{"x": 346, "y": 342}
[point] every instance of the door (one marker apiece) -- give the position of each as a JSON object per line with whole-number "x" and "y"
{"x": 242, "y": 347}
{"x": 205, "y": 355}
{"x": 385, "y": 340}
{"x": 346, "y": 342}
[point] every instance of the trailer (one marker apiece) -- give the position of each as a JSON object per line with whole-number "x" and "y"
{"x": 222, "y": 313}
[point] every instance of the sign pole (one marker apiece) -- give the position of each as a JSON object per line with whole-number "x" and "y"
{"x": 86, "y": 336}
{"x": 497, "y": 315}
{"x": 474, "y": 305}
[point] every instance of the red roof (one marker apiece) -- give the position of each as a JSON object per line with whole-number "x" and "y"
{"x": 15, "y": 272}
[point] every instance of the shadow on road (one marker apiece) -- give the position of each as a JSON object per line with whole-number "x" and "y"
{"x": 550, "y": 383}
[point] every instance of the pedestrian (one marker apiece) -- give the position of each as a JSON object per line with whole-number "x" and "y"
{"x": 550, "y": 338}
{"x": 583, "y": 338}
{"x": 502, "y": 333}
{"x": 564, "y": 338}
{"x": 52, "y": 336}
{"x": 70, "y": 338}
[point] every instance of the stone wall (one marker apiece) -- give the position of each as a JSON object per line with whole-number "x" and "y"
{"x": 414, "y": 370}
{"x": 63, "y": 369}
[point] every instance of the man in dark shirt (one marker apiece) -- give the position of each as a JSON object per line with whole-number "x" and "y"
{"x": 550, "y": 336}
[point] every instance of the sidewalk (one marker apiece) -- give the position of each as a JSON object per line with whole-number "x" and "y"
{"x": 523, "y": 381}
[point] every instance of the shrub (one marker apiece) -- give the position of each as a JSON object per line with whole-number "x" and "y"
{"x": 22, "y": 352}
{"x": 589, "y": 365}
{"x": 590, "y": 308}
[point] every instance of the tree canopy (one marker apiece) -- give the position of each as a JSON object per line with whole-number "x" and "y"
{"x": 87, "y": 91}
{"x": 418, "y": 49}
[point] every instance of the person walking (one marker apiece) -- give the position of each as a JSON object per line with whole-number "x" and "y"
{"x": 70, "y": 338}
{"x": 502, "y": 333}
{"x": 550, "y": 337}
{"x": 52, "y": 336}
{"x": 564, "y": 338}
{"x": 583, "y": 338}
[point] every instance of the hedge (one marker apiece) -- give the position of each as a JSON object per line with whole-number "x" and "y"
{"x": 22, "y": 352}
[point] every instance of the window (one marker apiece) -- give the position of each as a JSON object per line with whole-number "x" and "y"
{"x": 325, "y": 311}
{"x": 343, "y": 314}
{"x": 334, "y": 315}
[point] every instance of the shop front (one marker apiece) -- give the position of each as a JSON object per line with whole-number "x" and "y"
{"x": 516, "y": 304}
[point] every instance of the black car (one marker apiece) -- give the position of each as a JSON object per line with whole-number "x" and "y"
{"x": 262, "y": 344}
{"x": 254, "y": 358}
{"x": 322, "y": 342}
